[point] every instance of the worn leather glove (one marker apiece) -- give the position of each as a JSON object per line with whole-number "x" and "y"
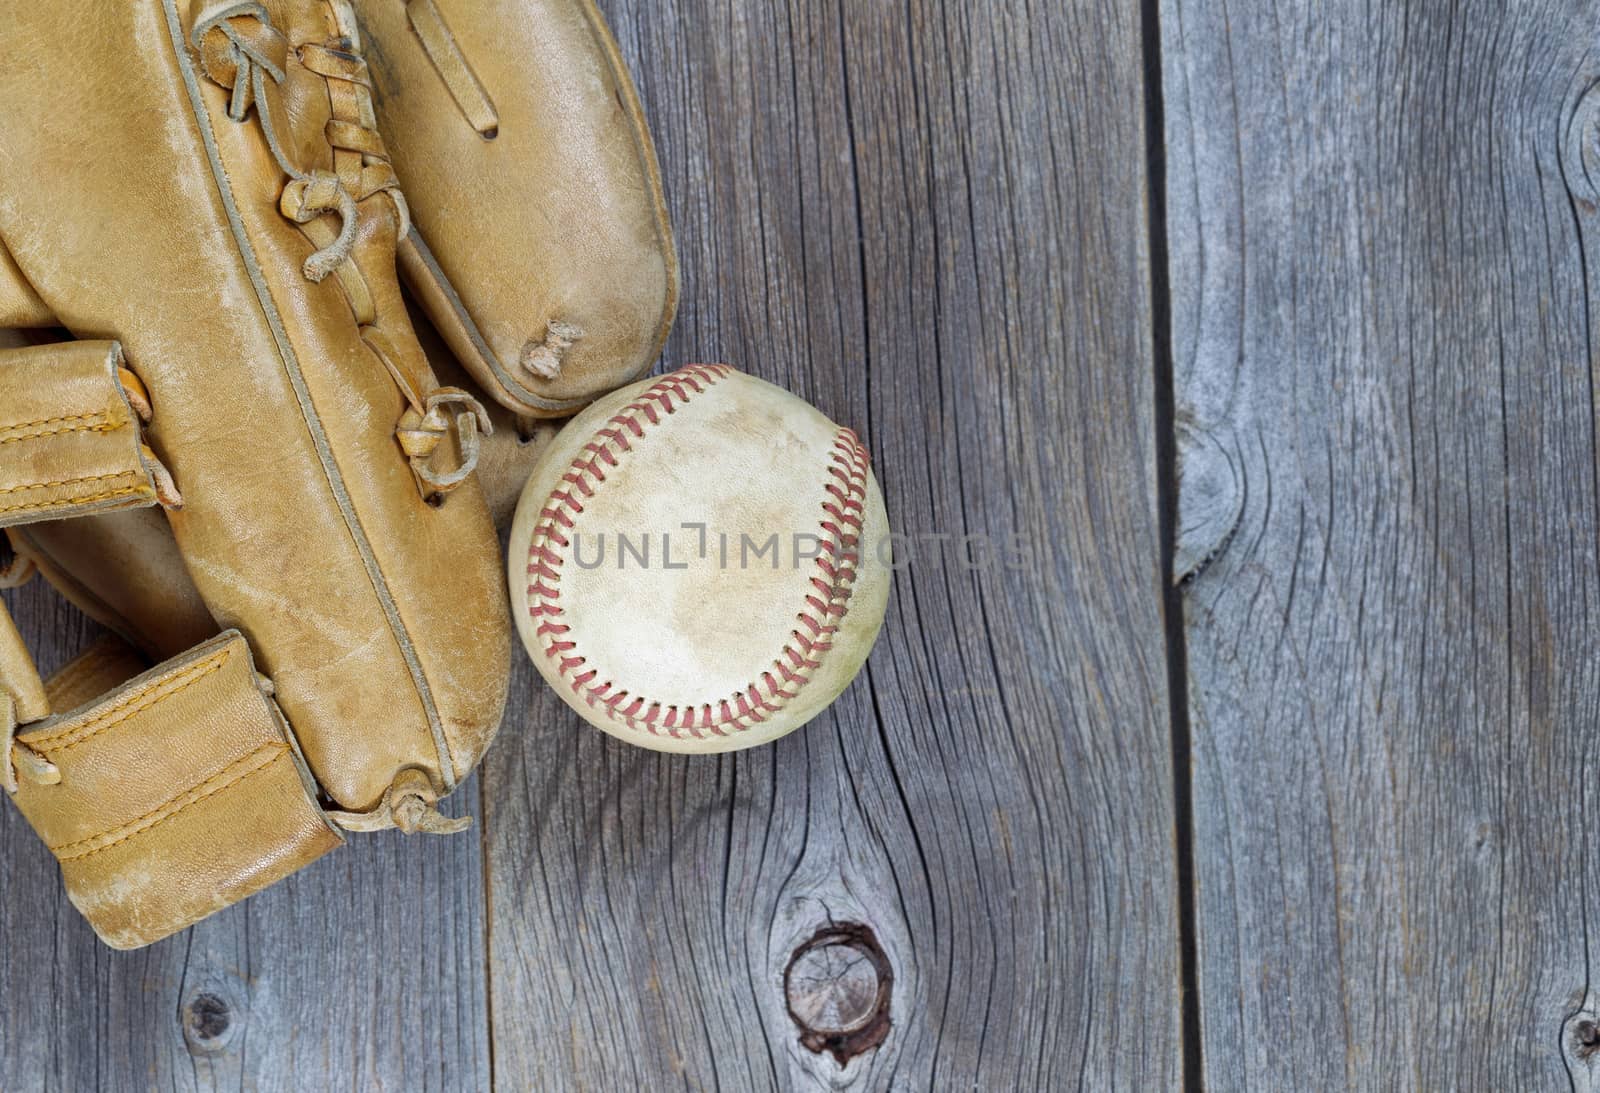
{"x": 541, "y": 247}
{"x": 554, "y": 185}
{"x": 245, "y": 365}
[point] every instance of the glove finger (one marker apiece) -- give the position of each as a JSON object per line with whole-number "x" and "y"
{"x": 540, "y": 246}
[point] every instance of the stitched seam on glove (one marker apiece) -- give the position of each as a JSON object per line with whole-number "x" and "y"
{"x": 262, "y": 758}
{"x": 65, "y": 740}
{"x": 69, "y": 502}
{"x": 70, "y": 481}
{"x": 90, "y": 423}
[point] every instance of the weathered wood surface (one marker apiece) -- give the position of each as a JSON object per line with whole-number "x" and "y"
{"x": 1383, "y": 226}
{"x": 929, "y": 219}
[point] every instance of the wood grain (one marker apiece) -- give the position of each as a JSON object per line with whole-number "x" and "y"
{"x": 1383, "y": 223}
{"x": 929, "y": 219}
{"x": 364, "y": 971}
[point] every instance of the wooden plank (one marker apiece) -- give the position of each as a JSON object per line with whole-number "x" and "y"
{"x": 1382, "y": 220}
{"x": 929, "y": 219}
{"x": 364, "y": 971}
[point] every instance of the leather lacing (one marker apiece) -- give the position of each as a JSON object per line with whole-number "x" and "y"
{"x": 251, "y": 51}
{"x": 17, "y": 756}
{"x": 410, "y": 804}
{"x": 16, "y": 570}
{"x": 445, "y": 52}
{"x": 138, "y": 396}
{"x": 239, "y": 49}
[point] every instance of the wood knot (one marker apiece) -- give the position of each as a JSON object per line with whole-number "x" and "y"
{"x": 1580, "y": 151}
{"x": 208, "y": 1023}
{"x": 1585, "y": 1039}
{"x": 838, "y": 986}
{"x": 1211, "y": 497}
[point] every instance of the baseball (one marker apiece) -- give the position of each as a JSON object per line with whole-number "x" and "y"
{"x": 700, "y": 561}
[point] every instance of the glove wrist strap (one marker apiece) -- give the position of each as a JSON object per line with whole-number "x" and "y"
{"x": 172, "y": 796}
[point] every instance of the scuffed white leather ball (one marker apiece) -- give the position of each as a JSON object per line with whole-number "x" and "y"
{"x": 700, "y": 562}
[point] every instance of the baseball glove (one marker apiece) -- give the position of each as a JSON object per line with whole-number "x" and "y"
{"x": 245, "y": 461}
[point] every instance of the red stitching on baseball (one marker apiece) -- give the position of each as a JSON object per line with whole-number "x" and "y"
{"x": 843, "y": 504}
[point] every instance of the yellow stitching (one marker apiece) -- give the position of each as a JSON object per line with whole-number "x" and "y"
{"x": 102, "y": 424}
{"x": 101, "y": 725}
{"x": 153, "y": 819}
{"x": 190, "y": 676}
{"x": 132, "y": 826}
{"x": 104, "y": 427}
{"x": 51, "y": 421}
{"x": 67, "y": 502}
{"x": 70, "y": 481}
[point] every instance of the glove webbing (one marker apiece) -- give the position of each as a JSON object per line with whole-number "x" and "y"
{"x": 240, "y": 50}
{"x": 248, "y": 52}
